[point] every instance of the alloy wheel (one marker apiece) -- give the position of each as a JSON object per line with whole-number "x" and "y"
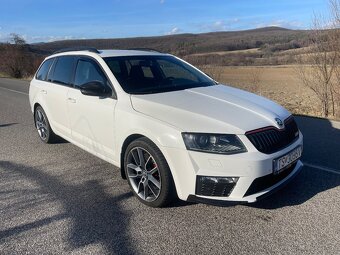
{"x": 143, "y": 174}
{"x": 41, "y": 124}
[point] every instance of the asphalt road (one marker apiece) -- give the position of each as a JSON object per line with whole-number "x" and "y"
{"x": 58, "y": 199}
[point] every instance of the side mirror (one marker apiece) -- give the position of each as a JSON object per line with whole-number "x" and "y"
{"x": 95, "y": 88}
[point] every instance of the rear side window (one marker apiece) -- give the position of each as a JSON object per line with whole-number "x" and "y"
{"x": 43, "y": 70}
{"x": 63, "y": 70}
{"x": 88, "y": 71}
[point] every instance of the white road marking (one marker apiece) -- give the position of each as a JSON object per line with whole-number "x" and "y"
{"x": 322, "y": 168}
{"x": 12, "y": 90}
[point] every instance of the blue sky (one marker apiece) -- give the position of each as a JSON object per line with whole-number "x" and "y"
{"x": 48, "y": 20}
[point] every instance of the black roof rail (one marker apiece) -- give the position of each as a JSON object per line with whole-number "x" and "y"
{"x": 145, "y": 49}
{"x": 90, "y": 49}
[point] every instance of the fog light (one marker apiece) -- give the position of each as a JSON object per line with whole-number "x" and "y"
{"x": 215, "y": 186}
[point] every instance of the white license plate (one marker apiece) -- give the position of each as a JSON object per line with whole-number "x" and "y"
{"x": 285, "y": 161}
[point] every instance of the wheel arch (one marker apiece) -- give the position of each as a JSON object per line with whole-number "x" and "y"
{"x": 125, "y": 144}
{"x": 35, "y": 107}
{"x": 134, "y": 137}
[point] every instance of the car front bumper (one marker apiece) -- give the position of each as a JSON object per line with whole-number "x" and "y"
{"x": 251, "y": 198}
{"x": 251, "y": 168}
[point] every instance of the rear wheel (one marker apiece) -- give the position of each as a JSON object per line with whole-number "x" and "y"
{"x": 148, "y": 173}
{"x": 43, "y": 126}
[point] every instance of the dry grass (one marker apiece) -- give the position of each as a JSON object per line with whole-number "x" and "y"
{"x": 279, "y": 83}
{"x": 223, "y": 53}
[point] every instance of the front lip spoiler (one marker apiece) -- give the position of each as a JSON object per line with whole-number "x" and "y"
{"x": 215, "y": 202}
{"x": 225, "y": 203}
{"x": 280, "y": 186}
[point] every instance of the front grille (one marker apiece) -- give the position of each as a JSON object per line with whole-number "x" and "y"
{"x": 267, "y": 181}
{"x": 270, "y": 139}
{"x": 219, "y": 187}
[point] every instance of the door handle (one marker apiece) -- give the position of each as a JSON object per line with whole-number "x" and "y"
{"x": 43, "y": 91}
{"x": 72, "y": 100}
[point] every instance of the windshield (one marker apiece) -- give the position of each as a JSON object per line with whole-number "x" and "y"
{"x": 155, "y": 74}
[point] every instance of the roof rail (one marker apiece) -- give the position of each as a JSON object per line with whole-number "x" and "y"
{"x": 145, "y": 49}
{"x": 90, "y": 49}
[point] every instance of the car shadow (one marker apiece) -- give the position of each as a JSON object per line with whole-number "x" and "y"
{"x": 60, "y": 140}
{"x": 321, "y": 149}
{"x": 96, "y": 216}
{"x": 7, "y": 124}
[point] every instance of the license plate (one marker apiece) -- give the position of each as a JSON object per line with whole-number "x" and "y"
{"x": 285, "y": 161}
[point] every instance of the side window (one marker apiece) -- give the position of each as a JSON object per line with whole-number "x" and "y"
{"x": 63, "y": 70}
{"x": 88, "y": 71}
{"x": 43, "y": 70}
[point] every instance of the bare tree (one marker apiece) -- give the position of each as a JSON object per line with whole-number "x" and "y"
{"x": 214, "y": 71}
{"x": 335, "y": 11}
{"x": 17, "y": 39}
{"x": 16, "y": 61}
{"x": 317, "y": 67}
{"x": 335, "y": 17}
{"x": 255, "y": 79}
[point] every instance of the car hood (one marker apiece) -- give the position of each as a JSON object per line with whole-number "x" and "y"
{"x": 216, "y": 109}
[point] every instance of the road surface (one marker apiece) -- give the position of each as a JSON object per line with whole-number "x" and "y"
{"x": 59, "y": 199}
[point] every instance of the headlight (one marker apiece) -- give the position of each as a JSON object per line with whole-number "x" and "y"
{"x": 213, "y": 143}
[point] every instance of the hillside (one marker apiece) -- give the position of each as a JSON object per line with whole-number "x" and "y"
{"x": 263, "y": 46}
{"x": 185, "y": 44}
{"x": 206, "y": 48}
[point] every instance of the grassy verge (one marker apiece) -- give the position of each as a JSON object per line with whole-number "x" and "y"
{"x": 278, "y": 83}
{"x": 2, "y": 75}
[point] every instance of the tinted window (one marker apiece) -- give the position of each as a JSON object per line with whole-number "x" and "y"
{"x": 155, "y": 74}
{"x": 63, "y": 70}
{"x": 171, "y": 69}
{"x": 88, "y": 71}
{"x": 42, "y": 73}
{"x": 115, "y": 67}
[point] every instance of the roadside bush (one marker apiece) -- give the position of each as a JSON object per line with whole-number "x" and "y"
{"x": 16, "y": 59}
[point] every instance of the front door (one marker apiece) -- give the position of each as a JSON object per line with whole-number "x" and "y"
{"x": 91, "y": 117}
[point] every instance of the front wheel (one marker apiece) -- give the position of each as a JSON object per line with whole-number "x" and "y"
{"x": 148, "y": 173}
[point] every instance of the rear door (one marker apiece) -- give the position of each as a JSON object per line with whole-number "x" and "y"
{"x": 59, "y": 81}
{"x": 91, "y": 117}
{"x": 38, "y": 86}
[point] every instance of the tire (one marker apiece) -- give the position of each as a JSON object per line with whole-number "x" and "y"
{"x": 42, "y": 124}
{"x": 150, "y": 180}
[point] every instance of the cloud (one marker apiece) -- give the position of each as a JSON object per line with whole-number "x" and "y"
{"x": 282, "y": 23}
{"x": 4, "y": 38}
{"x": 39, "y": 38}
{"x": 162, "y": 1}
{"x": 219, "y": 25}
{"x": 46, "y": 38}
{"x": 52, "y": 38}
{"x": 174, "y": 31}
{"x": 213, "y": 27}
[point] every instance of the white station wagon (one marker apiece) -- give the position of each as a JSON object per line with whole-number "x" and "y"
{"x": 172, "y": 130}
